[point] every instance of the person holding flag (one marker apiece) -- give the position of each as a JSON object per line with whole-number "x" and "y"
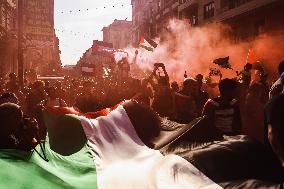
{"x": 223, "y": 62}
{"x": 245, "y": 78}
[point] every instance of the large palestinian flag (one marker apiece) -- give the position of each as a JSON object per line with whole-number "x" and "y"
{"x": 102, "y": 151}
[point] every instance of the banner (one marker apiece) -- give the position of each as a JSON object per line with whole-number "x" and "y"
{"x": 223, "y": 62}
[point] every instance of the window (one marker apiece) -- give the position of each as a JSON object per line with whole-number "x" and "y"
{"x": 151, "y": 11}
{"x": 236, "y": 3}
{"x": 9, "y": 21}
{"x": 209, "y": 10}
{"x": 136, "y": 20}
{"x": 3, "y": 16}
{"x": 193, "y": 20}
{"x": 159, "y": 5}
{"x": 259, "y": 27}
{"x": 166, "y": 2}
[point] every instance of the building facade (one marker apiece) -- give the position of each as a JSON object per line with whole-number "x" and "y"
{"x": 41, "y": 46}
{"x": 41, "y": 43}
{"x": 247, "y": 18}
{"x": 96, "y": 60}
{"x": 8, "y": 38}
{"x": 117, "y": 33}
{"x": 142, "y": 19}
{"x": 150, "y": 16}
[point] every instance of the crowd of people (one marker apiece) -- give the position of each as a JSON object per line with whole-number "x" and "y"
{"x": 238, "y": 109}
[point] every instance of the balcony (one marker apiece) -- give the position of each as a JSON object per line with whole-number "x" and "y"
{"x": 172, "y": 3}
{"x": 167, "y": 9}
{"x": 227, "y": 13}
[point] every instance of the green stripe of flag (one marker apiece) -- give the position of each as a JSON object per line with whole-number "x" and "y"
{"x": 21, "y": 170}
{"x": 145, "y": 47}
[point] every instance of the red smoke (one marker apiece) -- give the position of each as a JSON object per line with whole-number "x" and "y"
{"x": 193, "y": 49}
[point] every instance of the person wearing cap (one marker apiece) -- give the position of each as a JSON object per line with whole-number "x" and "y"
{"x": 277, "y": 87}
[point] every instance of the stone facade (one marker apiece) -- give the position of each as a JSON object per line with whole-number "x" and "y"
{"x": 96, "y": 59}
{"x": 117, "y": 33}
{"x": 142, "y": 17}
{"x": 41, "y": 43}
{"x": 8, "y": 38}
{"x": 41, "y": 46}
{"x": 248, "y": 18}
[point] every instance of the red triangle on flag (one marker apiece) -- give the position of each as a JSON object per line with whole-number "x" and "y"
{"x": 251, "y": 58}
{"x": 142, "y": 40}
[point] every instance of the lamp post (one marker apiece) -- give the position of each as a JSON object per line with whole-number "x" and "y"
{"x": 20, "y": 43}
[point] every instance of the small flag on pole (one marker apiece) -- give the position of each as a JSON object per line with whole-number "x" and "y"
{"x": 151, "y": 42}
{"x": 223, "y": 62}
{"x": 145, "y": 45}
